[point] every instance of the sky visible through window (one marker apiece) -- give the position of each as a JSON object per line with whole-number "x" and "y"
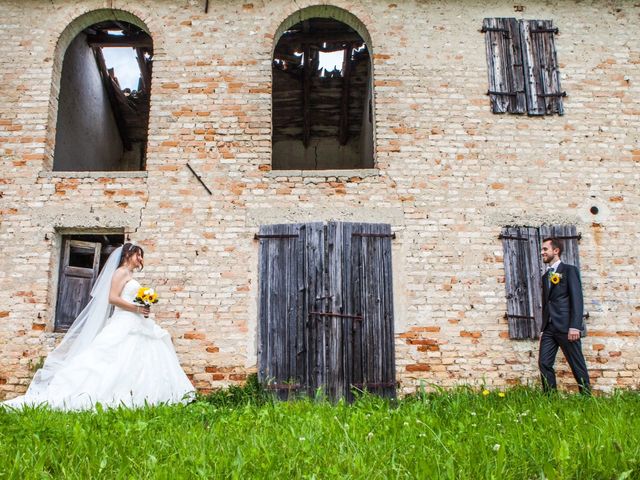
{"x": 330, "y": 61}
{"x": 327, "y": 61}
{"x": 124, "y": 63}
{"x": 125, "y": 66}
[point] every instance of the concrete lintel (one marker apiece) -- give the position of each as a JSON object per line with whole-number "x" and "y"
{"x": 96, "y": 174}
{"x": 325, "y": 174}
{"x": 86, "y": 217}
{"x": 296, "y": 214}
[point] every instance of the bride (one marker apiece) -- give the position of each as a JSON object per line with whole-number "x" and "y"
{"x": 119, "y": 359}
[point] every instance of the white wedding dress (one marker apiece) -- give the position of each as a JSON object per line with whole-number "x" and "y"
{"x": 130, "y": 362}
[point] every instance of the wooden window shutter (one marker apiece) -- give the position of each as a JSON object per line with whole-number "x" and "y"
{"x": 522, "y": 281}
{"x": 363, "y": 257}
{"x": 78, "y": 272}
{"x": 282, "y": 307}
{"x": 570, "y": 237}
{"x": 504, "y": 57}
{"x": 541, "y": 70}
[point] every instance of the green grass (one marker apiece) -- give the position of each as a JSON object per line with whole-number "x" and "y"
{"x": 241, "y": 433}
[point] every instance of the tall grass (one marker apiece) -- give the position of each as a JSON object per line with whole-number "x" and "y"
{"x": 241, "y": 433}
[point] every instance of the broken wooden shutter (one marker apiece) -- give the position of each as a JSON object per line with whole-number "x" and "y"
{"x": 78, "y": 271}
{"x": 522, "y": 281}
{"x": 281, "y": 351}
{"x": 504, "y": 57}
{"x": 541, "y": 71}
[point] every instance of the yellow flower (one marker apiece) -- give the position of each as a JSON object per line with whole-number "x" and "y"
{"x": 485, "y": 392}
{"x": 501, "y": 394}
{"x": 146, "y": 296}
{"x": 555, "y": 278}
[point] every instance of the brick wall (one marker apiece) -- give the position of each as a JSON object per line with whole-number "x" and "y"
{"x": 449, "y": 174}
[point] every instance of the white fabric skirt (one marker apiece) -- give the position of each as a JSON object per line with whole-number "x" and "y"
{"x": 131, "y": 363}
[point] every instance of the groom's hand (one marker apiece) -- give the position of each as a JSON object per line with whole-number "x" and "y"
{"x": 574, "y": 334}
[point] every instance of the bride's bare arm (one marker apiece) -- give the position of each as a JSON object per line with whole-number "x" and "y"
{"x": 120, "y": 278}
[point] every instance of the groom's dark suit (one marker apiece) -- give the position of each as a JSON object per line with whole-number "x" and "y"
{"x": 562, "y": 309}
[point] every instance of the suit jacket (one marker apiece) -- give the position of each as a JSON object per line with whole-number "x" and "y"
{"x": 562, "y": 305}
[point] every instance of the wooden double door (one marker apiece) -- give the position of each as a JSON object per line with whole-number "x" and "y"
{"x": 326, "y": 309}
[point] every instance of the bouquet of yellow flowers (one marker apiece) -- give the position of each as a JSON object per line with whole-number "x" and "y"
{"x": 146, "y": 296}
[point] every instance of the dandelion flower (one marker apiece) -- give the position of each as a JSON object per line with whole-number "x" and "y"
{"x": 485, "y": 392}
{"x": 501, "y": 394}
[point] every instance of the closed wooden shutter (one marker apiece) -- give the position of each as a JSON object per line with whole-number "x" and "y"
{"x": 78, "y": 271}
{"x": 505, "y": 69}
{"x": 542, "y": 74}
{"x": 522, "y": 275}
{"x": 570, "y": 237}
{"x": 326, "y": 309}
{"x": 368, "y": 290}
{"x": 281, "y": 352}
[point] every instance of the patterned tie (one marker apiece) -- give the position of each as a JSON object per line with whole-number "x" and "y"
{"x": 550, "y": 272}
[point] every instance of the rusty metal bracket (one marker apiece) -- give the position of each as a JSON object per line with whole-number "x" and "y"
{"x": 505, "y": 31}
{"x": 506, "y": 94}
{"x": 511, "y": 237}
{"x": 283, "y": 386}
{"x": 545, "y": 30}
{"x": 335, "y": 314}
{"x": 511, "y": 315}
{"x": 360, "y": 386}
{"x": 561, "y": 94}
{"x": 569, "y": 237}
{"x": 258, "y": 236}
{"x": 376, "y": 235}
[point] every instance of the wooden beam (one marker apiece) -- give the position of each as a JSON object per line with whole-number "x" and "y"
{"x": 306, "y": 93}
{"x": 343, "y": 134}
{"x": 102, "y": 40}
{"x": 288, "y": 57}
{"x": 320, "y": 38}
{"x": 144, "y": 66}
{"x": 115, "y": 107}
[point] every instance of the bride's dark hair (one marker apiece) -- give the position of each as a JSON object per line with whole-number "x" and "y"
{"x": 128, "y": 251}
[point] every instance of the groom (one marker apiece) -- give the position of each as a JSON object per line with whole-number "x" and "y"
{"x": 561, "y": 318}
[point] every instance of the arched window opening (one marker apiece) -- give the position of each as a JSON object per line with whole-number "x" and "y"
{"x": 322, "y": 98}
{"x": 103, "y": 107}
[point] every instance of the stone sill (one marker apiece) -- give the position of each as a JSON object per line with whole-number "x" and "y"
{"x": 325, "y": 174}
{"x": 92, "y": 174}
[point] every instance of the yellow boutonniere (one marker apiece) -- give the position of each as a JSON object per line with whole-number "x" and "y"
{"x": 555, "y": 278}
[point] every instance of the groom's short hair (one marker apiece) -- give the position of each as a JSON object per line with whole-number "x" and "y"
{"x": 555, "y": 243}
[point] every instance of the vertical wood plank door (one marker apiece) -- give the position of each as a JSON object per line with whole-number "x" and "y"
{"x": 78, "y": 272}
{"x": 326, "y": 309}
{"x": 281, "y": 352}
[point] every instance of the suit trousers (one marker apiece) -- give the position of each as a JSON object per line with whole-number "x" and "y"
{"x": 550, "y": 341}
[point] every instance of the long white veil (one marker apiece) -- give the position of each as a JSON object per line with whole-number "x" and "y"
{"x": 84, "y": 329}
